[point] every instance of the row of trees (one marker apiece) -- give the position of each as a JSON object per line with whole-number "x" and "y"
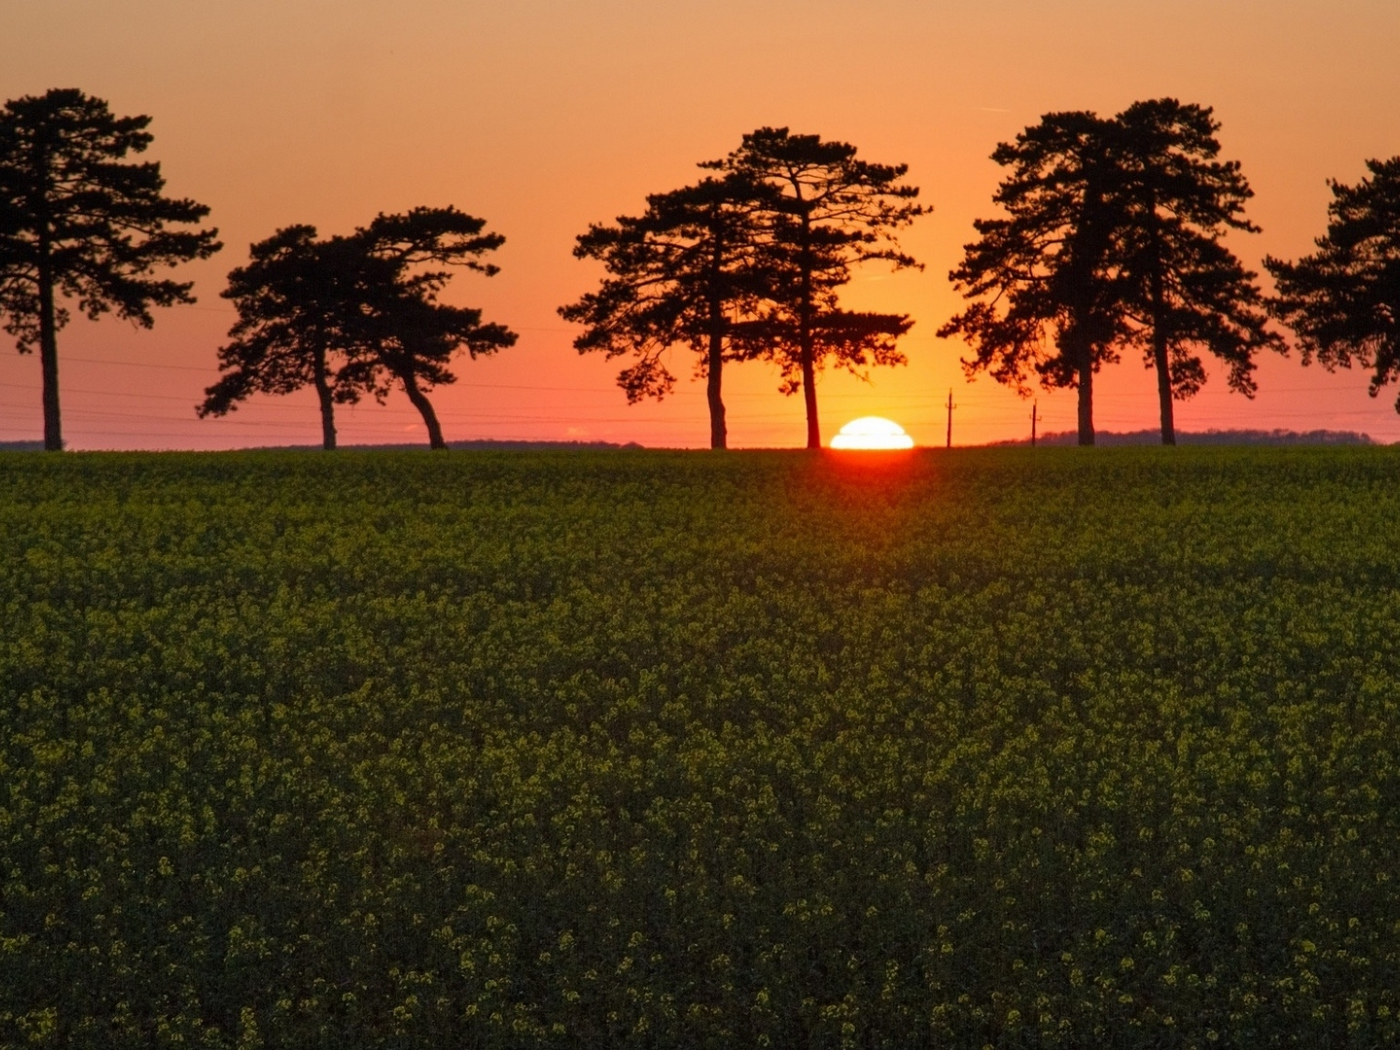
{"x": 349, "y": 315}
{"x": 745, "y": 264}
{"x": 1111, "y": 239}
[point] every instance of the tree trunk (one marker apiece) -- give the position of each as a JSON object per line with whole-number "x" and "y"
{"x": 804, "y": 339}
{"x": 809, "y": 396}
{"x": 48, "y": 352}
{"x": 323, "y": 394}
{"x": 1164, "y": 386}
{"x": 425, "y": 408}
{"x": 718, "y": 433}
{"x": 719, "y": 437}
{"x": 1085, "y": 356}
{"x": 1093, "y": 242}
{"x": 48, "y": 322}
{"x": 1161, "y": 359}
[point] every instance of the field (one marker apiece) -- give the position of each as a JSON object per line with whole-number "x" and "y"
{"x": 1013, "y": 748}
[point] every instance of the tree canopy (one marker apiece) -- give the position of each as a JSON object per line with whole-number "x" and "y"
{"x": 1113, "y": 238}
{"x": 357, "y": 314}
{"x": 1343, "y": 300}
{"x": 299, "y": 321}
{"x": 79, "y": 221}
{"x": 690, "y": 271}
{"x": 413, "y": 334}
{"x": 1046, "y": 301}
{"x": 828, "y": 211}
{"x": 1184, "y": 289}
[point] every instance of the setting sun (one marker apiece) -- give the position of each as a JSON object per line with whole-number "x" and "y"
{"x": 872, "y": 432}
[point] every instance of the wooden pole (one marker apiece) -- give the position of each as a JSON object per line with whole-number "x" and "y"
{"x": 1034, "y": 405}
{"x": 950, "y": 417}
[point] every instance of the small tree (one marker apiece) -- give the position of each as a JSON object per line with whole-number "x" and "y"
{"x": 299, "y": 303}
{"x": 77, "y": 221}
{"x": 1343, "y": 301}
{"x": 414, "y": 336}
{"x": 1184, "y": 289}
{"x": 828, "y": 212}
{"x": 687, "y": 272}
{"x": 1043, "y": 277}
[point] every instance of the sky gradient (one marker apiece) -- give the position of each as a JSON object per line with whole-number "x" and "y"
{"x": 543, "y": 116}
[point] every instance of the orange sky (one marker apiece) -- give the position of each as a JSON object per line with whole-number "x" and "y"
{"x": 545, "y": 115}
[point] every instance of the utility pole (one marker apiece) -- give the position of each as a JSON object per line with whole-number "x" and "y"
{"x": 950, "y": 417}
{"x": 1034, "y": 404}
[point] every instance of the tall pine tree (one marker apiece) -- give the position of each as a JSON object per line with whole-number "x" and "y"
{"x": 78, "y": 220}
{"x": 829, "y": 211}
{"x": 687, "y": 272}
{"x": 1043, "y": 278}
{"x": 1184, "y": 289}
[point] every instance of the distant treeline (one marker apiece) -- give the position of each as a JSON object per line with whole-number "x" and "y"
{"x": 1109, "y": 239}
{"x": 1207, "y": 437}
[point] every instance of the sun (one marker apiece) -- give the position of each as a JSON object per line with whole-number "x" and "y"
{"x": 872, "y": 432}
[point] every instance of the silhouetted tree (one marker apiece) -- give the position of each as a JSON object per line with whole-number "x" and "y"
{"x": 1343, "y": 301}
{"x": 1184, "y": 289}
{"x": 79, "y": 221}
{"x": 300, "y": 308}
{"x": 356, "y": 314}
{"x": 1044, "y": 277}
{"x": 413, "y": 335}
{"x": 829, "y": 211}
{"x": 687, "y": 272}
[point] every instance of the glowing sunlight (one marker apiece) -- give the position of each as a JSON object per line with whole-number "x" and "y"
{"x": 872, "y": 432}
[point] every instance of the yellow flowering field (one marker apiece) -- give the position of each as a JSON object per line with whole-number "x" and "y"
{"x": 997, "y": 748}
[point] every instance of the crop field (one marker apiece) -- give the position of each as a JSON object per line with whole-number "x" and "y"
{"x": 1007, "y": 748}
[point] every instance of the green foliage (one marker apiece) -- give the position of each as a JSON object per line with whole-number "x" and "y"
{"x": 996, "y": 748}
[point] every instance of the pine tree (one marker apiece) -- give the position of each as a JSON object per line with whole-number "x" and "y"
{"x": 687, "y": 272}
{"x": 829, "y": 211}
{"x": 408, "y": 258}
{"x": 78, "y": 220}
{"x": 1184, "y": 288}
{"x": 1047, "y": 303}
{"x": 299, "y": 305}
{"x": 1343, "y": 301}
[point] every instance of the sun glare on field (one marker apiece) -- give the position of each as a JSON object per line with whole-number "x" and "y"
{"x": 872, "y": 432}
